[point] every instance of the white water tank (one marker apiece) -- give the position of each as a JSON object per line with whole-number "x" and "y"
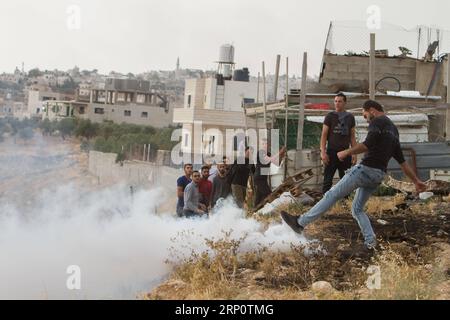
{"x": 226, "y": 54}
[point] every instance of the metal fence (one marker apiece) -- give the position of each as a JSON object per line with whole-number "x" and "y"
{"x": 353, "y": 38}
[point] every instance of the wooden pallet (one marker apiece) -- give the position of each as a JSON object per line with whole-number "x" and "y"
{"x": 293, "y": 184}
{"x": 435, "y": 186}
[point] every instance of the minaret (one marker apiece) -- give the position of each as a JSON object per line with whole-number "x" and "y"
{"x": 178, "y": 64}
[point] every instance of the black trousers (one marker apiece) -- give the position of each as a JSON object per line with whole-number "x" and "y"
{"x": 262, "y": 189}
{"x": 330, "y": 169}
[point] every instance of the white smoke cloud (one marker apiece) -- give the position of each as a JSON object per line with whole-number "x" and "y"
{"x": 117, "y": 240}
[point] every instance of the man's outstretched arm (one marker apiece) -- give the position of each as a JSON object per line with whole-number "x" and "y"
{"x": 358, "y": 149}
{"x": 420, "y": 186}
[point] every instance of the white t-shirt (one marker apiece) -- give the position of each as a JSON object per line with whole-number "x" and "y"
{"x": 212, "y": 173}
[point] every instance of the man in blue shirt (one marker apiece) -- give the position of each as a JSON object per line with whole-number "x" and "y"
{"x": 192, "y": 205}
{"x": 182, "y": 182}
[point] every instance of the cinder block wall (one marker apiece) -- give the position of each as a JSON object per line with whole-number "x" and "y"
{"x": 353, "y": 71}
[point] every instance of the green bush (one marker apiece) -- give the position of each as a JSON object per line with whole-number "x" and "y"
{"x": 66, "y": 127}
{"x": 86, "y": 129}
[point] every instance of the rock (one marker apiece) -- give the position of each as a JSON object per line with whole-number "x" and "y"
{"x": 172, "y": 289}
{"x": 363, "y": 293}
{"x": 443, "y": 290}
{"x": 382, "y": 222}
{"x": 322, "y": 287}
{"x": 247, "y": 272}
{"x": 441, "y": 233}
{"x": 260, "y": 276}
{"x": 426, "y": 195}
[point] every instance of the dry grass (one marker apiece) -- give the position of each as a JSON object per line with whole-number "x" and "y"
{"x": 224, "y": 273}
{"x": 408, "y": 265}
{"x": 402, "y": 281}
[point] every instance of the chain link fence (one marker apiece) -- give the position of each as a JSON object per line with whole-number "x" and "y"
{"x": 353, "y": 38}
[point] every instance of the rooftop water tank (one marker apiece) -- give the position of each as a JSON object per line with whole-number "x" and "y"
{"x": 226, "y": 54}
{"x": 241, "y": 75}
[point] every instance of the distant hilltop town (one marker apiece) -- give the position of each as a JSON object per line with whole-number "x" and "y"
{"x": 28, "y": 94}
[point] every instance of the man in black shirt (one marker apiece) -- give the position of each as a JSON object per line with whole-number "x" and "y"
{"x": 221, "y": 185}
{"x": 239, "y": 174}
{"x": 338, "y": 133}
{"x": 381, "y": 145}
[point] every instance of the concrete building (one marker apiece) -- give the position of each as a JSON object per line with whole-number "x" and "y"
{"x": 117, "y": 100}
{"x": 214, "y": 104}
{"x": 14, "y": 109}
{"x": 84, "y": 91}
{"x": 37, "y": 100}
{"x": 217, "y": 105}
{"x": 129, "y": 101}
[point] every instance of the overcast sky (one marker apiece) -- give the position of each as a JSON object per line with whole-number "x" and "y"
{"x": 141, "y": 35}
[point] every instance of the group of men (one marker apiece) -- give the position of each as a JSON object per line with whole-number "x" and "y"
{"x": 198, "y": 192}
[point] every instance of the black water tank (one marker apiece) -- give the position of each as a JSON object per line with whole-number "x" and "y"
{"x": 241, "y": 75}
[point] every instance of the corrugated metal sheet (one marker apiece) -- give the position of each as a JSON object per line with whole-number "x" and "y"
{"x": 429, "y": 156}
{"x": 412, "y": 127}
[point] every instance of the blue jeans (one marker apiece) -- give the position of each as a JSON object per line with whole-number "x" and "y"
{"x": 365, "y": 180}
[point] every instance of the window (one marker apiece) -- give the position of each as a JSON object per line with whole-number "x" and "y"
{"x": 127, "y": 113}
{"x": 81, "y": 110}
{"x": 189, "y": 101}
{"x": 144, "y": 115}
{"x": 99, "y": 110}
{"x": 212, "y": 145}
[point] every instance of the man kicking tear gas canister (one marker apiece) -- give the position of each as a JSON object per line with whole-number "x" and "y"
{"x": 381, "y": 145}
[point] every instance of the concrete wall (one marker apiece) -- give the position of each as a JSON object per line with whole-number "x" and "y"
{"x": 235, "y": 91}
{"x": 157, "y": 117}
{"x": 425, "y": 71}
{"x": 210, "y": 93}
{"x": 196, "y": 89}
{"x": 134, "y": 173}
{"x": 354, "y": 71}
{"x": 203, "y": 93}
{"x": 33, "y": 102}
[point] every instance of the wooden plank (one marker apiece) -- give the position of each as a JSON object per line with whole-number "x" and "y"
{"x": 275, "y": 89}
{"x": 264, "y": 94}
{"x": 447, "y": 114}
{"x": 257, "y": 89}
{"x": 301, "y": 114}
{"x": 286, "y": 117}
{"x": 372, "y": 67}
